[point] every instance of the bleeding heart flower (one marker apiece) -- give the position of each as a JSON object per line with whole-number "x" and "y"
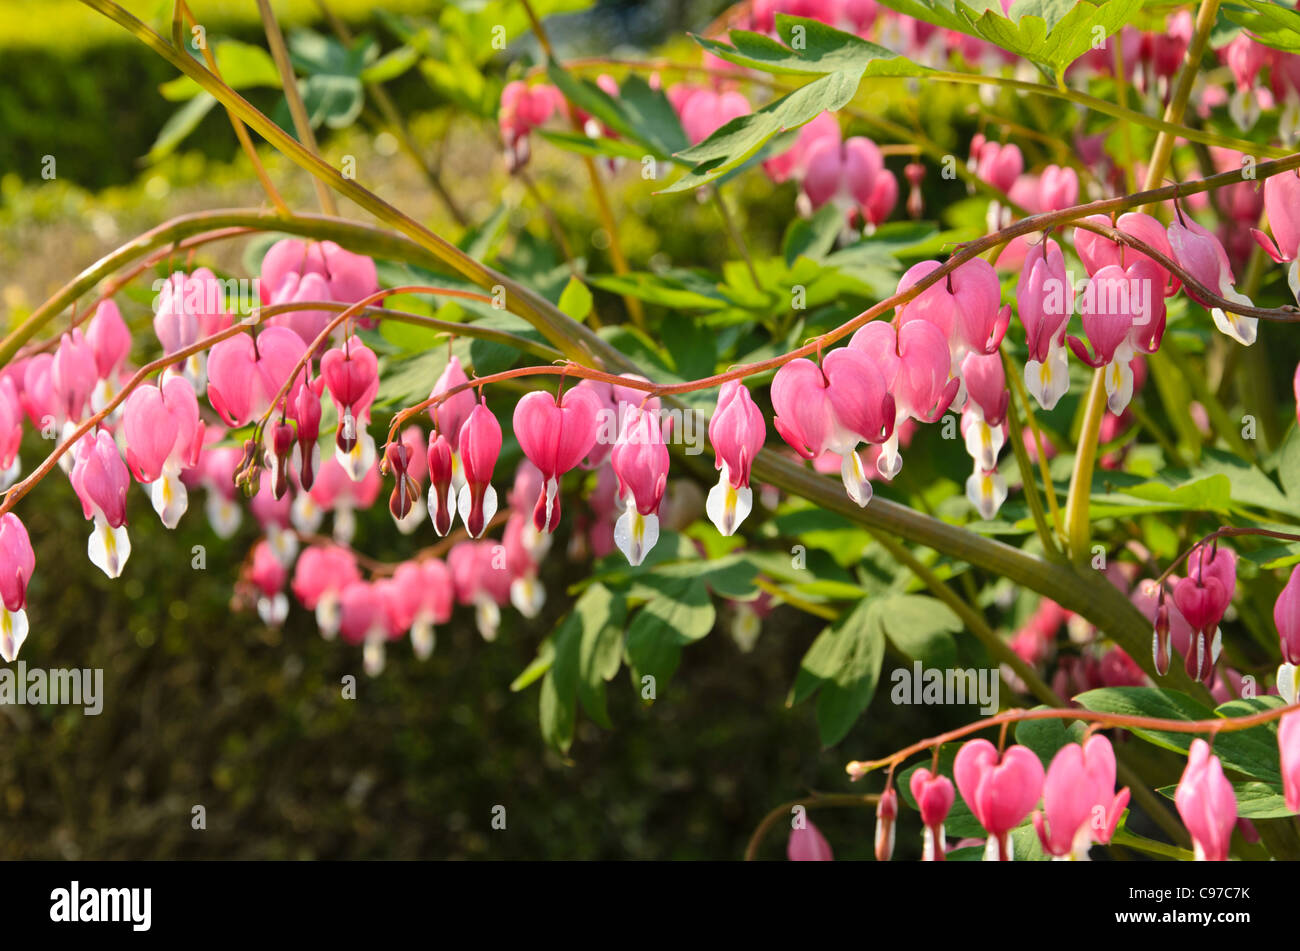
{"x": 555, "y": 437}
{"x": 100, "y": 479}
{"x": 1080, "y": 805}
{"x": 640, "y": 460}
{"x": 164, "y": 436}
{"x": 934, "y": 798}
{"x": 999, "y": 789}
{"x": 245, "y": 374}
{"x": 1202, "y": 255}
{"x": 352, "y": 378}
{"x": 17, "y": 562}
{"x": 480, "y": 444}
{"x": 737, "y": 432}
{"x": 1207, "y": 804}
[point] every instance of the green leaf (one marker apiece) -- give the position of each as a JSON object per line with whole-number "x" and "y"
{"x": 813, "y": 237}
{"x": 576, "y": 300}
{"x": 600, "y": 649}
{"x": 839, "y": 60}
{"x": 333, "y": 100}
{"x": 1046, "y": 737}
{"x": 652, "y": 116}
{"x": 843, "y": 668}
{"x": 1251, "y": 752}
{"x": 1209, "y": 494}
{"x": 390, "y": 65}
{"x": 181, "y": 123}
{"x": 242, "y": 66}
{"x": 921, "y": 628}
{"x": 681, "y": 614}
{"x": 557, "y": 706}
{"x": 692, "y": 346}
{"x": 1272, "y": 24}
{"x": 1254, "y": 800}
{"x": 1051, "y": 33}
{"x": 679, "y": 290}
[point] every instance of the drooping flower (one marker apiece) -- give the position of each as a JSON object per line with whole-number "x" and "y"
{"x": 73, "y": 375}
{"x": 1282, "y": 203}
{"x": 1045, "y": 300}
{"x": 1080, "y": 805}
{"x": 164, "y": 436}
{"x": 267, "y": 573}
{"x": 187, "y": 308}
{"x": 1202, "y": 255}
{"x": 101, "y": 480}
{"x": 351, "y": 375}
{"x": 349, "y": 277}
{"x": 245, "y": 374}
{"x": 934, "y": 797}
{"x": 886, "y": 814}
{"x": 480, "y": 444}
{"x": 916, "y": 367}
{"x": 321, "y": 574}
{"x": 833, "y": 408}
{"x": 555, "y": 436}
{"x": 523, "y": 109}
{"x": 1288, "y": 742}
{"x": 737, "y": 432}
{"x": 852, "y": 176}
{"x": 1206, "y": 803}
{"x": 999, "y": 789}
{"x": 1286, "y": 616}
{"x": 442, "y": 507}
{"x": 17, "y": 562}
{"x": 1203, "y": 598}
{"x": 305, "y": 411}
{"x": 640, "y": 460}
{"x": 807, "y": 844}
{"x": 1123, "y": 309}
{"x": 11, "y": 431}
{"x": 110, "y": 342}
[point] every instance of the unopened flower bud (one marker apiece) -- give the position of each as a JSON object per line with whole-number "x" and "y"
{"x": 915, "y": 173}
{"x": 1160, "y": 642}
{"x": 886, "y": 813}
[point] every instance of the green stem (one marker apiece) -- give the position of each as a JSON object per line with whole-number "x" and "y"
{"x": 1077, "y": 525}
